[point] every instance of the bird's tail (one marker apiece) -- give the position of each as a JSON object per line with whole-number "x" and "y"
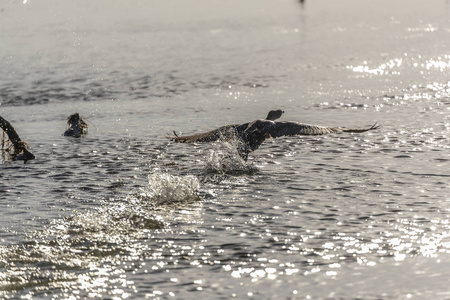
{"x": 373, "y": 127}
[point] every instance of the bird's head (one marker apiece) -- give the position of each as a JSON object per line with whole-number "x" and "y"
{"x": 274, "y": 114}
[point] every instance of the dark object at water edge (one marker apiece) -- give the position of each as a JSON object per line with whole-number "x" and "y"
{"x": 19, "y": 150}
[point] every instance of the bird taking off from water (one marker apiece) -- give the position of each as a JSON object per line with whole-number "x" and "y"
{"x": 251, "y": 135}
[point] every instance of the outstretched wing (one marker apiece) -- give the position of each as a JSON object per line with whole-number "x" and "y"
{"x": 294, "y": 128}
{"x": 223, "y": 133}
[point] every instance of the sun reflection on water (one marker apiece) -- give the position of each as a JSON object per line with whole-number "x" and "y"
{"x": 408, "y": 238}
{"x": 92, "y": 253}
{"x": 382, "y": 69}
{"x": 395, "y": 66}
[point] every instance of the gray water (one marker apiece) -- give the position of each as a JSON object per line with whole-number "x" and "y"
{"x": 124, "y": 213}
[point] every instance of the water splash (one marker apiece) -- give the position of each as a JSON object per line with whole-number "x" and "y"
{"x": 169, "y": 189}
{"x": 91, "y": 251}
{"x": 136, "y": 211}
{"x": 229, "y": 162}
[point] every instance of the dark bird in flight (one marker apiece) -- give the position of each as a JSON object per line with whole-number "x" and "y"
{"x": 251, "y": 135}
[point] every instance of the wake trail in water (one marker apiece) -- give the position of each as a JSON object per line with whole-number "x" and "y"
{"x": 99, "y": 243}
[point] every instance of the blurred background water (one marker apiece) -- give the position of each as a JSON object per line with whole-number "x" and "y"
{"x": 125, "y": 213}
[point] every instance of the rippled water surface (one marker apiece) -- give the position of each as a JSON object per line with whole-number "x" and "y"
{"x": 124, "y": 213}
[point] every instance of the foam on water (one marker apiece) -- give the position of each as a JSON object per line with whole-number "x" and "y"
{"x": 169, "y": 189}
{"x": 136, "y": 211}
{"x": 228, "y": 161}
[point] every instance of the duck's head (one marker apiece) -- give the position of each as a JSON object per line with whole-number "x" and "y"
{"x": 274, "y": 114}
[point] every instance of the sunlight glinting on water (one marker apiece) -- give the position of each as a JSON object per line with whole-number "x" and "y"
{"x": 93, "y": 240}
{"x": 125, "y": 213}
{"x": 388, "y": 67}
{"x": 396, "y": 65}
{"x": 407, "y": 240}
{"x": 424, "y": 28}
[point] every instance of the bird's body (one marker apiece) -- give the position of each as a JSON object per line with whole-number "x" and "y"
{"x": 76, "y": 126}
{"x": 224, "y": 133}
{"x": 253, "y": 134}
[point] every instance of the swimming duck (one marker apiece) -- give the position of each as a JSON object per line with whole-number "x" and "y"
{"x": 76, "y": 126}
